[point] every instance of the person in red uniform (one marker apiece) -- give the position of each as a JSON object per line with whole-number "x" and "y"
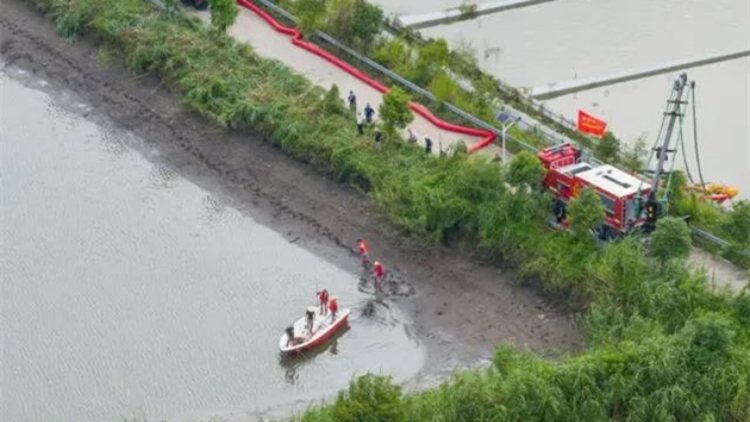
{"x": 364, "y": 251}
{"x": 323, "y": 296}
{"x": 379, "y": 275}
{"x": 333, "y": 305}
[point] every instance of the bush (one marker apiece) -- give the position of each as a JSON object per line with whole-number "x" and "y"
{"x": 608, "y": 148}
{"x": 585, "y": 213}
{"x": 370, "y": 398}
{"x": 526, "y": 170}
{"x": 223, "y": 14}
{"x": 738, "y": 223}
{"x": 670, "y": 240}
{"x": 395, "y": 110}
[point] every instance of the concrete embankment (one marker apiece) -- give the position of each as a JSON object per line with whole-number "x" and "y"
{"x": 557, "y": 89}
{"x": 426, "y": 20}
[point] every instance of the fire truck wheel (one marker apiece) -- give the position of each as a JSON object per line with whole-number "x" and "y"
{"x": 608, "y": 233}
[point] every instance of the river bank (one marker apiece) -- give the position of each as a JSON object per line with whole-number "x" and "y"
{"x": 461, "y": 310}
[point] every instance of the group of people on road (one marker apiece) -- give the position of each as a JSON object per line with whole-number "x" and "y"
{"x": 367, "y": 118}
{"x": 369, "y": 113}
{"x": 378, "y": 271}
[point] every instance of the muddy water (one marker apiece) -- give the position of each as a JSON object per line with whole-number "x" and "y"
{"x": 568, "y": 39}
{"x": 130, "y": 292}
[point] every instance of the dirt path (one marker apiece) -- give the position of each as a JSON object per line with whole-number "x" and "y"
{"x": 268, "y": 43}
{"x": 461, "y": 310}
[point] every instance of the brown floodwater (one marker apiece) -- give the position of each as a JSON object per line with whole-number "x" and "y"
{"x": 128, "y": 291}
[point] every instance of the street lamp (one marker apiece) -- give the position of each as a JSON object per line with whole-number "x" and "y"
{"x": 507, "y": 120}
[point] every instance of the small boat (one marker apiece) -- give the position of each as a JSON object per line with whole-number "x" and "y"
{"x": 298, "y": 338}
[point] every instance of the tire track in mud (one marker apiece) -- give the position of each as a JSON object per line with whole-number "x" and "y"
{"x": 80, "y": 78}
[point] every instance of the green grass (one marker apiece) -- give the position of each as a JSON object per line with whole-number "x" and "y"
{"x": 662, "y": 345}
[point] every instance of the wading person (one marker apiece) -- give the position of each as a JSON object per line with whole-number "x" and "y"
{"x": 364, "y": 252}
{"x": 323, "y": 297}
{"x": 352, "y": 102}
{"x": 369, "y": 113}
{"x": 379, "y": 276}
{"x": 360, "y": 124}
{"x": 428, "y": 145}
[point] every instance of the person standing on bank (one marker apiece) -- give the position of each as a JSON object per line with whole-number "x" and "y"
{"x": 428, "y": 145}
{"x": 360, "y": 124}
{"x": 352, "y": 102}
{"x": 369, "y": 113}
{"x": 378, "y": 139}
{"x": 364, "y": 252}
{"x": 412, "y": 136}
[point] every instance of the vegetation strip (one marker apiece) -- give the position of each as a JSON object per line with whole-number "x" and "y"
{"x": 663, "y": 346}
{"x": 488, "y": 137}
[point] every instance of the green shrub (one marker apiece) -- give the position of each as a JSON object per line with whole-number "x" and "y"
{"x": 370, "y": 398}
{"x": 670, "y": 240}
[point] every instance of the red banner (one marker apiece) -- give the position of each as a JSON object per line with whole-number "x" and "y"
{"x": 590, "y": 124}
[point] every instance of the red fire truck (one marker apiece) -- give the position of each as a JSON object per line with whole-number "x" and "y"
{"x": 621, "y": 193}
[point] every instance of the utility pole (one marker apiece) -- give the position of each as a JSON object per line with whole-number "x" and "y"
{"x": 674, "y": 111}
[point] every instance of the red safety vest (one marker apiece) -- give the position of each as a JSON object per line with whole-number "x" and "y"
{"x": 363, "y": 247}
{"x": 379, "y": 270}
{"x": 333, "y": 306}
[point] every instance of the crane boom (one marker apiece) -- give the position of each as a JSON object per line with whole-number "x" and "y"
{"x": 673, "y": 113}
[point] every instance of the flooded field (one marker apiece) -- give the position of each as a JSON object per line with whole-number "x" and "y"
{"x": 569, "y": 39}
{"x": 128, "y": 291}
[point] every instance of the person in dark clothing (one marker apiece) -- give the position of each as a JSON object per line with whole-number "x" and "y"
{"x": 369, "y": 113}
{"x": 310, "y": 314}
{"x": 428, "y": 145}
{"x": 378, "y": 139}
{"x": 290, "y": 339}
{"x": 352, "y": 102}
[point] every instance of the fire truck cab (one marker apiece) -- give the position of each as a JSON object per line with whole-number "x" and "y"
{"x": 619, "y": 191}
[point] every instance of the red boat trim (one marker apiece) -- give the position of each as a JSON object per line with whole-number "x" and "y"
{"x": 329, "y": 331}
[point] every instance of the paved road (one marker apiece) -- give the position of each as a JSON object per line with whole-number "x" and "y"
{"x": 268, "y": 43}
{"x": 721, "y": 273}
